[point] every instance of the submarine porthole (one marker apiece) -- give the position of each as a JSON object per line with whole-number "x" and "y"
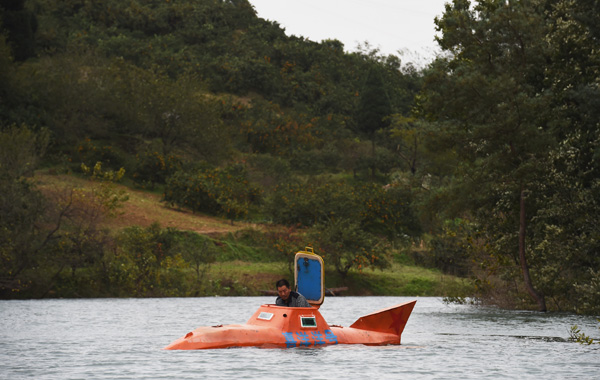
{"x": 266, "y": 316}
{"x": 308, "y": 321}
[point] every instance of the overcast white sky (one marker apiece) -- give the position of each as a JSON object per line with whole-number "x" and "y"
{"x": 390, "y": 25}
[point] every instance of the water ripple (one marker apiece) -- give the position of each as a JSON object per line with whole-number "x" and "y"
{"x": 123, "y": 339}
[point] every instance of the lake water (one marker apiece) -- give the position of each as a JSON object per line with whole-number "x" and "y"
{"x": 123, "y": 339}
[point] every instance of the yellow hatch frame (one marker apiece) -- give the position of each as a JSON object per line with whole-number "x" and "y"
{"x": 310, "y": 287}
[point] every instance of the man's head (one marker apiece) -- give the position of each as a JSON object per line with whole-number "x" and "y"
{"x": 283, "y": 289}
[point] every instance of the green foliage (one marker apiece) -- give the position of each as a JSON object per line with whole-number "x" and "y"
{"x": 141, "y": 254}
{"x": 316, "y": 161}
{"x": 374, "y": 106}
{"x": 347, "y": 246}
{"x": 450, "y": 249}
{"x": 153, "y": 168}
{"x": 153, "y": 261}
{"x": 76, "y": 242}
{"x": 580, "y": 337}
{"x": 587, "y": 291}
{"x": 89, "y": 153}
{"x": 311, "y": 203}
{"x": 407, "y": 135}
{"x": 499, "y": 105}
{"x": 8, "y": 87}
{"x": 108, "y": 109}
{"x": 109, "y": 198}
{"x": 216, "y": 191}
{"x": 57, "y": 230}
{"x": 509, "y": 115}
{"x": 267, "y": 171}
{"x": 137, "y": 72}
{"x": 285, "y": 243}
{"x": 20, "y": 25}
{"x": 267, "y": 129}
{"x": 22, "y": 206}
{"x": 20, "y": 150}
{"x": 345, "y": 219}
{"x": 387, "y": 211}
{"x": 378, "y": 210}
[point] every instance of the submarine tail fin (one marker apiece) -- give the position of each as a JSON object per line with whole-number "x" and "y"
{"x": 391, "y": 320}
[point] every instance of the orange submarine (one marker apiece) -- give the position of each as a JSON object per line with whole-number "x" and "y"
{"x": 274, "y": 326}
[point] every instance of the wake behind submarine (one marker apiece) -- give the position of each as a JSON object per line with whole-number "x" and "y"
{"x": 274, "y": 326}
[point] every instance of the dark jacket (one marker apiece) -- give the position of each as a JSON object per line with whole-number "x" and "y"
{"x": 294, "y": 300}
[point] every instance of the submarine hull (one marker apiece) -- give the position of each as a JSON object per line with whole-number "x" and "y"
{"x": 274, "y": 326}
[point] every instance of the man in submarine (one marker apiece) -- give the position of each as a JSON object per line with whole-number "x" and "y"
{"x": 287, "y": 297}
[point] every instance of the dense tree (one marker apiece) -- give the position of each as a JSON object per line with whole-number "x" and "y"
{"x": 21, "y": 206}
{"x": 20, "y": 25}
{"x": 497, "y": 103}
{"x": 490, "y": 106}
{"x": 374, "y": 107}
{"x": 566, "y": 241}
{"x": 345, "y": 244}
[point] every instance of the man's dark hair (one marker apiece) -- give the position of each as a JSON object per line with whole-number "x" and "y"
{"x": 282, "y": 282}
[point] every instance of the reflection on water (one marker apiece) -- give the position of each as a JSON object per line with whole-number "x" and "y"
{"x": 122, "y": 338}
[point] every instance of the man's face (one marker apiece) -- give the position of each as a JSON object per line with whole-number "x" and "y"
{"x": 284, "y": 292}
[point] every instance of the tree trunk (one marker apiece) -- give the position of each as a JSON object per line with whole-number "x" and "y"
{"x": 524, "y": 267}
{"x": 373, "y": 156}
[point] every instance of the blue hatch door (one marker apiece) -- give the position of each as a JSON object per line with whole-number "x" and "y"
{"x": 310, "y": 277}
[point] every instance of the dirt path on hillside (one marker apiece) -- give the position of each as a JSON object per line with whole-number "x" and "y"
{"x": 144, "y": 208}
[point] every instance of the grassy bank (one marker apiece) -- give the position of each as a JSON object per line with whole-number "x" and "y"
{"x": 239, "y": 278}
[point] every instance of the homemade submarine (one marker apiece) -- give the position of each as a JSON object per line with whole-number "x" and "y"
{"x": 273, "y": 326}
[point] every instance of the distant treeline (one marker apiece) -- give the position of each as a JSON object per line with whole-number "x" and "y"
{"x": 484, "y": 164}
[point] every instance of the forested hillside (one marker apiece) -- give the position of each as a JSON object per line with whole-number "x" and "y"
{"x": 483, "y": 165}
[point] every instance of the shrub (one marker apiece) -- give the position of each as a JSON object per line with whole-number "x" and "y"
{"x": 346, "y": 245}
{"x": 196, "y": 249}
{"x": 152, "y": 261}
{"x": 268, "y": 171}
{"x": 449, "y": 250}
{"x": 217, "y": 191}
{"x": 316, "y": 160}
{"x": 311, "y": 203}
{"x": 268, "y": 129}
{"x": 379, "y": 210}
{"x": 577, "y": 336}
{"x": 153, "y": 168}
{"x": 386, "y": 210}
{"x": 90, "y": 152}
